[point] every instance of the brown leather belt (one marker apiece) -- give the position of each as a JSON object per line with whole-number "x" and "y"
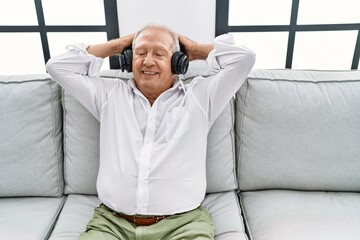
{"x": 140, "y": 220}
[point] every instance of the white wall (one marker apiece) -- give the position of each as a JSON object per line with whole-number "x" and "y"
{"x": 192, "y": 18}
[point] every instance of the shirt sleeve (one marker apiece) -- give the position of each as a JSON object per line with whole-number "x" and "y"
{"x": 231, "y": 64}
{"x": 75, "y": 71}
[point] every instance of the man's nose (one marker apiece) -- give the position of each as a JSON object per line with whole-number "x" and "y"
{"x": 149, "y": 60}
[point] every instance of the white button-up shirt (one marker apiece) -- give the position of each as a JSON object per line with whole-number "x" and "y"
{"x": 152, "y": 158}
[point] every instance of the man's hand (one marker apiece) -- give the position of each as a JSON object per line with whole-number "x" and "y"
{"x": 112, "y": 47}
{"x": 195, "y": 50}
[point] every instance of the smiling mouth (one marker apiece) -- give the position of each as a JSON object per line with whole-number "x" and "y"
{"x": 149, "y": 72}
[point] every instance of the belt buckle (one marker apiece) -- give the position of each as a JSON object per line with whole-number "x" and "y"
{"x": 134, "y": 219}
{"x": 135, "y": 216}
{"x": 157, "y": 218}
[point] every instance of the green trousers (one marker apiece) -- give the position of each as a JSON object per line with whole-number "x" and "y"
{"x": 105, "y": 225}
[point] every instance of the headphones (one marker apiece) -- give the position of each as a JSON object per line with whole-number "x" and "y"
{"x": 179, "y": 60}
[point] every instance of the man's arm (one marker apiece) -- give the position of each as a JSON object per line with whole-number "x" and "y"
{"x": 110, "y": 48}
{"x": 196, "y": 50}
{"x": 75, "y": 71}
{"x": 231, "y": 64}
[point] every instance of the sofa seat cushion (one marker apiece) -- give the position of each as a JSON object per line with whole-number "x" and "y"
{"x": 223, "y": 207}
{"x": 300, "y": 215}
{"x": 30, "y": 136}
{"x": 31, "y": 218}
{"x": 76, "y": 213}
{"x": 226, "y": 215}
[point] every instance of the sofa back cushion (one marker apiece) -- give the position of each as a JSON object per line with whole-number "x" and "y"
{"x": 81, "y": 145}
{"x": 30, "y": 136}
{"x": 299, "y": 130}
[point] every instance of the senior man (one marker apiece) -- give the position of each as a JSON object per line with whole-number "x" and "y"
{"x": 153, "y": 130}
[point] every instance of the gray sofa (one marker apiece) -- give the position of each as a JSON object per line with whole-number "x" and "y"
{"x": 283, "y": 158}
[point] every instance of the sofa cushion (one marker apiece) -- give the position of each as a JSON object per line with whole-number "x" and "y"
{"x": 299, "y": 130}
{"x": 76, "y": 213}
{"x": 30, "y": 136}
{"x": 225, "y": 211}
{"x": 220, "y": 152}
{"x": 31, "y": 218}
{"x": 223, "y": 207}
{"x": 296, "y": 215}
{"x": 81, "y": 147}
{"x": 81, "y": 144}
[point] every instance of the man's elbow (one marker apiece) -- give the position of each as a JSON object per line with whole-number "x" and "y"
{"x": 245, "y": 60}
{"x": 50, "y": 66}
{"x": 249, "y": 57}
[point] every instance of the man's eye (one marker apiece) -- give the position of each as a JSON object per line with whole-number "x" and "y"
{"x": 159, "y": 54}
{"x": 140, "y": 53}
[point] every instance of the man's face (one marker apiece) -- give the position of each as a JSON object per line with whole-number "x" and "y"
{"x": 151, "y": 64}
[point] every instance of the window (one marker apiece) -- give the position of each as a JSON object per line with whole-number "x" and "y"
{"x": 40, "y": 29}
{"x": 295, "y": 34}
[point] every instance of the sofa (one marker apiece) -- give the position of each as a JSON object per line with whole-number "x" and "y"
{"x": 283, "y": 158}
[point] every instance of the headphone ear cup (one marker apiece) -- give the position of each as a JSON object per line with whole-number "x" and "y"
{"x": 122, "y": 62}
{"x": 125, "y": 60}
{"x": 179, "y": 63}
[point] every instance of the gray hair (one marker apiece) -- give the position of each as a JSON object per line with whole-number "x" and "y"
{"x": 163, "y": 27}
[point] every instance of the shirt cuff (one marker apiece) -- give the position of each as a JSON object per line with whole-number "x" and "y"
{"x": 95, "y": 63}
{"x": 222, "y": 44}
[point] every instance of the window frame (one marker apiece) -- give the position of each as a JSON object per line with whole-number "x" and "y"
{"x": 111, "y": 28}
{"x": 222, "y": 26}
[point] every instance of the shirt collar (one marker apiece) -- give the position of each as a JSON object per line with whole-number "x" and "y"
{"x": 177, "y": 84}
